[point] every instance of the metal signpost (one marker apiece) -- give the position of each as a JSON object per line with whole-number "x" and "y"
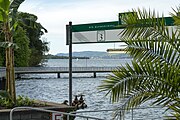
{"x": 69, "y": 40}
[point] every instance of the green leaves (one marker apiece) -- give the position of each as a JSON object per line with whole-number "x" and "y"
{"x": 176, "y": 15}
{"x": 15, "y": 4}
{"x": 4, "y": 5}
{"x": 4, "y": 10}
{"x": 6, "y": 101}
{"x": 4, "y": 94}
{"x": 8, "y": 10}
{"x": 13, "y": 14}
{"x": 1, "y": 15}
{"x": 155, "y": 70}
{"x": 8, "y": 45}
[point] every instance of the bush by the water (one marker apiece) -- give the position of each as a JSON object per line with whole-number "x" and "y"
{"x": 6, "y": 101}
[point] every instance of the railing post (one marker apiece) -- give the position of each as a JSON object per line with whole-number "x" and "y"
{"x": 120, "y": 115}
{"x": 67, "y": 117}
{"x": 52, "y": 111}
{"x": 132, "y": 114}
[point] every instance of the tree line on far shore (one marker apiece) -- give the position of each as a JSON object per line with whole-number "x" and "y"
{"x": 49, "y": 56}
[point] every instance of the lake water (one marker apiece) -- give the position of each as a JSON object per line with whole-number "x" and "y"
{"x": 50, "y": 88}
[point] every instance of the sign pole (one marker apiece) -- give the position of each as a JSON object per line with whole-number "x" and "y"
{"x": 69, "y": 37}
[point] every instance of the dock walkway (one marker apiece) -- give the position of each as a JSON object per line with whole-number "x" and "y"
{"x": 58, "y": 70}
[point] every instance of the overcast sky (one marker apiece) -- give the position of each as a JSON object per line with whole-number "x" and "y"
{"x": 55, "y": 14}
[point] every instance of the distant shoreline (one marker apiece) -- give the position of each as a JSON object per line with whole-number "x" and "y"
{"x": 88, "y": 55}
{"x": 63, "y": 57}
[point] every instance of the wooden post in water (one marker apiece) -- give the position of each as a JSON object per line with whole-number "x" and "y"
{"x": 2, "y": 83}
{"x": 94, "y": 74}
{"x": 58, "y": 75}
{"x": 18, "y": 76}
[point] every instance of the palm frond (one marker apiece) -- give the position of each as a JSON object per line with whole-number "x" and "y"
{"x": 155, "y": 70}
{"x": 145, "y": 25}
{"x": 140, "y": 80}
{"x": 163, "y": 51}
{"x": 176, "y": 15}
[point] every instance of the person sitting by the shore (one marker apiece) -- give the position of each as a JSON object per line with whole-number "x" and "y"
{"x": 81, "y": 104}
{"x": 65, "y": 102}
{"x": 76, "y": 101}
{"x": 81, "y": 100}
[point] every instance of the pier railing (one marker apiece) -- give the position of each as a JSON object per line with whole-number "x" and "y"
{"x": 52, "y": 111}
{"x": 78, "y": 114}
{"x": 61, "y": 69}
{"x": 57, "y": 70}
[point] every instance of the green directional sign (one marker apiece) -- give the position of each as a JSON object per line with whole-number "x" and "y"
{"x": 95, "y": 26}
{"x": 102, "y": 32}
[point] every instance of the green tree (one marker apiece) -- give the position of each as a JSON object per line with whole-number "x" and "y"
{"x": 22, "y": 54}
{"x": 155, "y": 70}
{"x": 34, "y": 31}
{"x": 8, "y": 10}
{"x": 29, "y": 36}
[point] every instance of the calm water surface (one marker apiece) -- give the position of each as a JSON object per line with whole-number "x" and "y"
{"x": 50, "y": 88}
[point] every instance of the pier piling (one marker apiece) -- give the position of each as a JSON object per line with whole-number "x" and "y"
{"x": 94, "y": 74}
{"x": 58, "y": 75}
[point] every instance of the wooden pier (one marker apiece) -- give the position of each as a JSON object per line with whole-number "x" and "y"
{"x": 58, "y": 70}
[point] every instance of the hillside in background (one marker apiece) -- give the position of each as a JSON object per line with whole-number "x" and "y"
{"x": 96, "y": 54}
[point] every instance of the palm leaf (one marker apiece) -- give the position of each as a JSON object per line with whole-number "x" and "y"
{"x": 155, "y": 70}
{"x": 15, "y": 4}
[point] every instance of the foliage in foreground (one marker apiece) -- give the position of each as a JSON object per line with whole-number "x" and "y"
{"x": 6, "y": 101}
{"x": 12, "y": 27}
{"x": 155, "y": 70}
